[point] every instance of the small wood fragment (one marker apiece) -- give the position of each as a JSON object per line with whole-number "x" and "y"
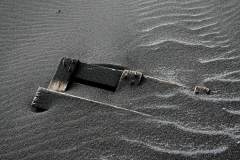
{"x": 129, "y": 77}
{"x": 201, "y": 89}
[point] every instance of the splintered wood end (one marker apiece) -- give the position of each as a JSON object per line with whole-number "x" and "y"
{"x": 58, "y": 86}
{"x": 63, "y": 75}
{"x": 129, "y": 77}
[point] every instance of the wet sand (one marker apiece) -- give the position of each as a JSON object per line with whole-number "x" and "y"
{"x": 183, "y": 42}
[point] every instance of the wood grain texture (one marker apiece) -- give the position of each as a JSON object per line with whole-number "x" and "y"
{"x": 180, "y": 43}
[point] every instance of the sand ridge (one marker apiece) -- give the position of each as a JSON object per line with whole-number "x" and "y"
{"x": 187, "y": 43}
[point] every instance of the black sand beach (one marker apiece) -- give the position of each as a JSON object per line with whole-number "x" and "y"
{"x": 177, "y": 44}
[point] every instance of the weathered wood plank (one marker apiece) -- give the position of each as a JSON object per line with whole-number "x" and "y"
{"x": 98, "y": 76}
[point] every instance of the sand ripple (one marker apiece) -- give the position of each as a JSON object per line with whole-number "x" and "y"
{"x": 177, "y": 44}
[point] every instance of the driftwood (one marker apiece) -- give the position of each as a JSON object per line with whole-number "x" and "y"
{"x": 101, "y": 76}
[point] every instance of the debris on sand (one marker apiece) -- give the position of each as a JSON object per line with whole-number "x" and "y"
{"x": 59, "y": 11}
{"x": 201, "y": 89}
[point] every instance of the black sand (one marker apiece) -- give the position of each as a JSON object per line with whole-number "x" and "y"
{"x": 183, "y": 42}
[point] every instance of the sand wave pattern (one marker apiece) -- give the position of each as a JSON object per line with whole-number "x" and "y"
{"x": 176, "y": 44}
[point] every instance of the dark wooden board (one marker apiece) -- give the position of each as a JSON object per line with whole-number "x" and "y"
{"x": 98, "y": 76}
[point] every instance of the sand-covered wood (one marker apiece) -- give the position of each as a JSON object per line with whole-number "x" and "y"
{"x": 180, "y": 43}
